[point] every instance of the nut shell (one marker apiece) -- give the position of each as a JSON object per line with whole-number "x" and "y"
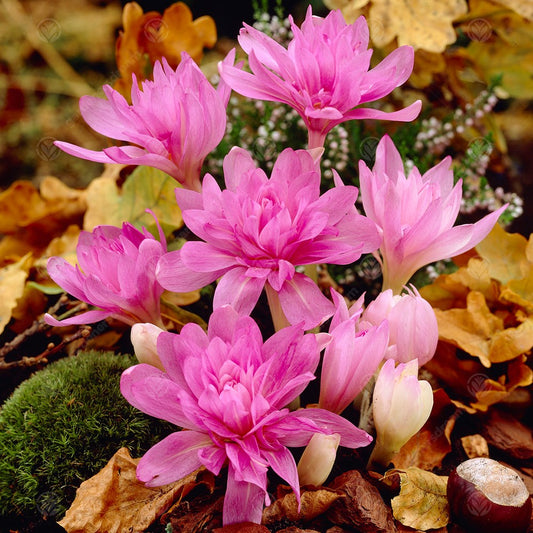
{"x": 487, "y": 497}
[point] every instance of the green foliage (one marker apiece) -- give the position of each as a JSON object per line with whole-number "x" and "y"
{"x": 62, "y": 426}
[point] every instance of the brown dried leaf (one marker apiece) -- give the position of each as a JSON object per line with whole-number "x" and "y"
{"x": 12, "y": 281}
{"x": 508, "y": 435}
{"x": 422, "y": 502}
{"x": 475, "y": 446}
{"x": 362, "y": 507}
{"x": 313, "y": 503}
{"x": 114, "y": 501}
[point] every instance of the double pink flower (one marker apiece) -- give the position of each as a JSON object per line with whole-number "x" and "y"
{"x": 229, "y": 392}
{"x": 115, "y": 272}
{"x": 257, "y": 230}
{"x": 323, "y": 74}
{"x": 172, "y": 124}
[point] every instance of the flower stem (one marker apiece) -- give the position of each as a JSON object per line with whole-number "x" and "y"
{"x": 278, "y": 316}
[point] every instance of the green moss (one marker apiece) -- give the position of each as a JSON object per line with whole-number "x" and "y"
{"x": 61, "y": 426}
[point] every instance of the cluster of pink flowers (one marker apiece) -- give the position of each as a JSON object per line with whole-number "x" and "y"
{"x": 228, "y": 389}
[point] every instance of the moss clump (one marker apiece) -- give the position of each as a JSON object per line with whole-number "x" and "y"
{"x": 61, "y": 426}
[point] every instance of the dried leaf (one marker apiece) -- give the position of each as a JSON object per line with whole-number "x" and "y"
{"x": 114, "y": 500}
{"x": 362, "y": 507}
{"x": 475, "y": 446}
{"x": 422, "y": 502}
{"x": 145, "y": 188}
{"x": 504, "y": 254}
{"x": 313, "y": 503}
{"x": 31, "y": 218}
{"x": 508, "y": 435}
{"x": 12, "y": 281}
{"x": 243, "y": 527}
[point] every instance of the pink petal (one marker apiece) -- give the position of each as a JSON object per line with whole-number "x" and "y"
{"x": 301, "y": 300}
{"x": 237, "y": 289}
{"x": 243, "y": 501}
{"x": 173, "y": 275}
{"x": 175, "y": 457}
{"x": 90, "y": 317}
{"x": 152, "y": 391}
{"x": 407, "y": 114}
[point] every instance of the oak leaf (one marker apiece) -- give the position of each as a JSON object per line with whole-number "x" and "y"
{"x": 422, "y": 502}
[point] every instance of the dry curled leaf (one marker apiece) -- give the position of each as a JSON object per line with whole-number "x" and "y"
{"x": 114, "y": 501}
{"x": 313, "y": 503}
{"x": 362, "y": 505}
{"x": 422, "y": 502}
{"x": 12, "y": 282}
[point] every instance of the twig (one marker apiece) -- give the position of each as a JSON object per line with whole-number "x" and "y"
{"x": 82, "y": 333}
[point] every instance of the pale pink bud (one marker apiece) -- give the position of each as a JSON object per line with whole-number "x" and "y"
{"x": 144, "y": 340}
{"x": 317, "y": 460}
{"x": 401, "y": 406}
{"x": 413, "y": 325}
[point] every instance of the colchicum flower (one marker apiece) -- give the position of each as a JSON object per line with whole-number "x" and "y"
{"x": 115, "y": 272}
{"x": 401, "y": 405}
{"x": 258, "y": 230}
{"x": 144, "y": 341}
{"x": 323, "y": 74}
{"x": 413, "y": 328}
{"x": 415, "y": 214}
{"x": 351, "y": 357}
{"x": 228, "y": 391}
{"x": 173, "y": 122}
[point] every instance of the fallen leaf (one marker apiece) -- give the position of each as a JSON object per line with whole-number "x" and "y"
{"x": 145, "y": 188}
{"x": 422, "y": 502}
{"x": 362, "y": 507}
{"x": 313, "y": 503}
{"x": 475, "y": 446}
{"x": 114, "y": 500}
{"x": 12, "y": 282}
{"x": 506, "y": 433}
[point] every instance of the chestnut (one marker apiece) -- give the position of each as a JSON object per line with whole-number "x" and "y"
{"x": 487, "y": 497}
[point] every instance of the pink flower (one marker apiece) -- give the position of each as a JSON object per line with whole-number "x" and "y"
{"x": 415, "y": 214}
{"x": 401, "y": 406}
{"x": 323, "y": 74}
{"x": 115, "y": 272}
{"x": 413, "y": 328}
{"x": 352, "y": 356}
{"x": 173, "y": 122}
{"x": 258, "y": 230}
{"x": 228, "y": 390}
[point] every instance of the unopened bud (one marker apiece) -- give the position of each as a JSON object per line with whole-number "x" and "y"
{"x": 317, "y": 460}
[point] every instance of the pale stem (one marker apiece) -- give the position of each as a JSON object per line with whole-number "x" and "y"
{"x": 381, "y": 455}
{"x": 278, "y": 316}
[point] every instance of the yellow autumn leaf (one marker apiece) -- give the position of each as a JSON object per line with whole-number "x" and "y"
{"x": 522, "y": 7}
{"x": 504, "y": 254}
{"x": 12, "y": 282}
{"x": 422, "y": 503}
{"x": 145, "y": 188}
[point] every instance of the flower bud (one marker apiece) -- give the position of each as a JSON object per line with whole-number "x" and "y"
{"x": 317, "y": 460}
{"x": 144, "y": 340}
{"x": 413, "y": 326}
{"x": 401, "y": 406}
